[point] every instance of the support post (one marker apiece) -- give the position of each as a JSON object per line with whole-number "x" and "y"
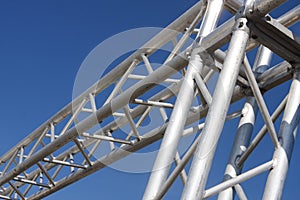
{"x": 287, "y": 135}
{"x": 217, "y": 113}
{"x": 245, "y": 128}
{"x": 240, "y": 144}
{"x": 181, "y": 109}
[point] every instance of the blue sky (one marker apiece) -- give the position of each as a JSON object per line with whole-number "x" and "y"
{"x": 43, "y": 44}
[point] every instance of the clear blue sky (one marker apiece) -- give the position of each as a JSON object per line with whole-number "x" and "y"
{"x": 43, "y": 44}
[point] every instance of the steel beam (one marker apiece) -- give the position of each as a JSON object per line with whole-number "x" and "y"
{"x": 287, "y": 135}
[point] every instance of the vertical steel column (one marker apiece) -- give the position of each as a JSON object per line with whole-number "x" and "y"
{"x": 217, "y": 113}
{"x": 245, "y": 127}
{"x": 181, "y": 109}
{"x": 240, "y": 144}
{"x": 287, "y": 135}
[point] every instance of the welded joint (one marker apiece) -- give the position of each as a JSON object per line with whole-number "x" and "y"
{"x": 295, "y": 67}
{"x": 241, "y": 24}
{"x": 206, "y": 58}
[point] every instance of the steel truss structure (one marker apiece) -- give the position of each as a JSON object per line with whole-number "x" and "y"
{"x": 61, "y": 151}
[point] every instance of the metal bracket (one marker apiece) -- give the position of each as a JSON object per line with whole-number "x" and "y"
{"x": 276, "y": 37}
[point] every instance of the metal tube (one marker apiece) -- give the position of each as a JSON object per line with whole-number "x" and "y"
{"x": 30, "y": 186}
{"x": 106, "y": 138}
{"x": 261, "y": 103}
{"x": 181, "y": 109}
{"x": 16, "y": 190}
{"x": 55, "y": 173}
{"x": 81, "y": 149}
{"x": 46, "y": 173}
{"x": 287, "y": 135}
{"x": 185, "y": 158}
{"x": 203, "y": 89}
{"x": 141, "y": 77}
{"x": 240, "y": 192}
{"x": 131, "y": 122}
{"x": 273, "y": 71}
{"x": 236, "y": 180}
{"x": 31, "y": 182}
{"x": 71, "y": 120}
{"x": 11, "y": 160}
{"x": 5, "y": 197}
{"x": 183, "y": 175}
{"x": 93, "y": 102}
{"x": 186, "y": 35}
{"x": 217, "y": 113}
{"x": 246, "y": 125}
{"x": 261, "y": 133}
{"x": 263, "y": 7}
{"x": 174, "y": 131}
{"x": 121, "y": 82}
{"x": 240, "y": 144}
{"x": 177, "y": 170}
{"x": 290, "y": 17}
{"x": 37, "y": 142}
{"x": 58, "y": 117}
{"x": 153, "y": 103}
{"x": 147, "y": 63}
{"x": 52, "y": 132}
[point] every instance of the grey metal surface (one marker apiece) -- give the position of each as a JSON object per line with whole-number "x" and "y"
{"x": 33, "y": 169}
